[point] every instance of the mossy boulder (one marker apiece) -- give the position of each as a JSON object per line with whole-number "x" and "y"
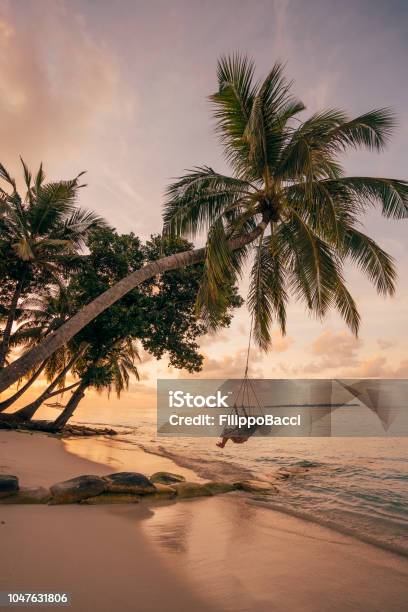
{"x": 219, "y": 487}
{"x": 77, "y": 489}
{"x": 8, "y": 485}
{"x": 192, "y": 489}
{"x": 255, "y": 486}
{"x": 128, "y": 482}
{"x": 167, "y": 478}
{"x": 164, "y": 491}
{"x": 112, "y": 498}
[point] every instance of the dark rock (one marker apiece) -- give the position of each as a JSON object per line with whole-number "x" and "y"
{"x": 192, "y": 489}
{"x": 166, "y": 478}
{"x": 77, "y": 489}
{"x": 8, "y": 484}
{"x": 129, "y": 482}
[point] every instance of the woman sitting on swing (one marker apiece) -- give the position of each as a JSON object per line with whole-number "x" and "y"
{"x": 236, "y": 435}
{"x": 235, "y": 439}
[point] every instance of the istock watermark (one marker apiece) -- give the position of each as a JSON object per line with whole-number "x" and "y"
{"x": 179, "y": 399}
{"x": 282, "y": 407}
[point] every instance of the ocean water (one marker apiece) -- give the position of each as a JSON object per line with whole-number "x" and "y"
{"x": 354, "y": 485}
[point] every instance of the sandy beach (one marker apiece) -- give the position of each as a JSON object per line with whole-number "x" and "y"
{"x": 211, "y": 554}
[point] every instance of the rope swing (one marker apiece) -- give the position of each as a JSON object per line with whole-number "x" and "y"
{"x": 246, "y": 404}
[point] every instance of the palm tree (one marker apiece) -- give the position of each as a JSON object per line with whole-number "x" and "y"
{"x": 41, "y": 234}
{"x": 111, "y": 372}
{"x": 41, "y": 315}
{"x": 287, "y": 201}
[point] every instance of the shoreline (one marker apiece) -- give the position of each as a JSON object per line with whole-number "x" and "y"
{"x": 97, "y": 535}
{"x": 250, "y": 556}
{"x": 208, "y": 469}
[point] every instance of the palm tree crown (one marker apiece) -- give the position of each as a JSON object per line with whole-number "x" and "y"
{"x": 45, "y": 225}
{"x": 40, "y": 235}
{"x": 286, "y": 174}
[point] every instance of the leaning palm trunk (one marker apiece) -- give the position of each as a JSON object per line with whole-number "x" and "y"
{"x": 10, "y": 401}
{"x": 29, "y": 411}
{"x": 70, "y": 408}
{"x": 68, "y": 330}
{"x": 5, "y": 343}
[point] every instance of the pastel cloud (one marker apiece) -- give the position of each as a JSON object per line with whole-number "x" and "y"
{"x": 385, "y": 344}
{"x": 229, "y": 366}
{"x": 56, "y": 81}
{"x": 378, "y": 366}
{"x": 340, "y": 347}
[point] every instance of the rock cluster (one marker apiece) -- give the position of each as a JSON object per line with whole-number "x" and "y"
{"x": 85, "y": 430}
{"x": 120, "y": 488}
{"x": 9, "y": 421}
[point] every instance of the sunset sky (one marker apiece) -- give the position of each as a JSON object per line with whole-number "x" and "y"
{"x": 119, "y": 88}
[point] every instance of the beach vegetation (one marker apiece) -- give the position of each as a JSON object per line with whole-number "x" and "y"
{"x": 287, "y": 210}
{"x": 158, "y": 317}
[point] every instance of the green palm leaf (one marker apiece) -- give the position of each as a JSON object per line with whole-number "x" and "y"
{"x": 378, "y": 266}
{"x": 267, "y": 295}
{"x": 392, "y": 194}
{"x": 232, "y": 106}
{"x": 199, "y": 198}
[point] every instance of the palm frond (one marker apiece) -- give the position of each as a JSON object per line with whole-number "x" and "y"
{"x": 307, "y": 155}
{"x": 232, "y": 105}
{"x": 375, "y": 263}
{"x": 326, "y": 206}
{"x": 39, "y": 178}
{"x": 391, "y": 194}
{"x": 24, "y": 249}
{"x": 76, "y": 227}
{"x": 52, "y": 200}
{"x": 6, "y": 177}
{"x": 346, "y": 306}
{"x": 27, "y": 175}
{"x": 272, "y": 106}
{"x": 320, "y": 265}
{"x": 371, "y": 130}
{"x": 267, "y": 295}
{"x": 199, "y": 198}
{"x": 221, "y": 267}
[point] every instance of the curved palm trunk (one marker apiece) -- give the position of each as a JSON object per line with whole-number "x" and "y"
{"x": 8, "y": 402}
{"x": 5, "y": 343}
{"x": 70, "y": 408}
{"x": 71, "y": 327}
{"x": 29, "y": 411}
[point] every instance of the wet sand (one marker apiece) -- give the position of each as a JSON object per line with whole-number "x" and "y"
{"x": 218, "y": 553}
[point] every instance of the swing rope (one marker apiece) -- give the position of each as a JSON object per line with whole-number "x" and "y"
{"x": 247, "y": 386}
